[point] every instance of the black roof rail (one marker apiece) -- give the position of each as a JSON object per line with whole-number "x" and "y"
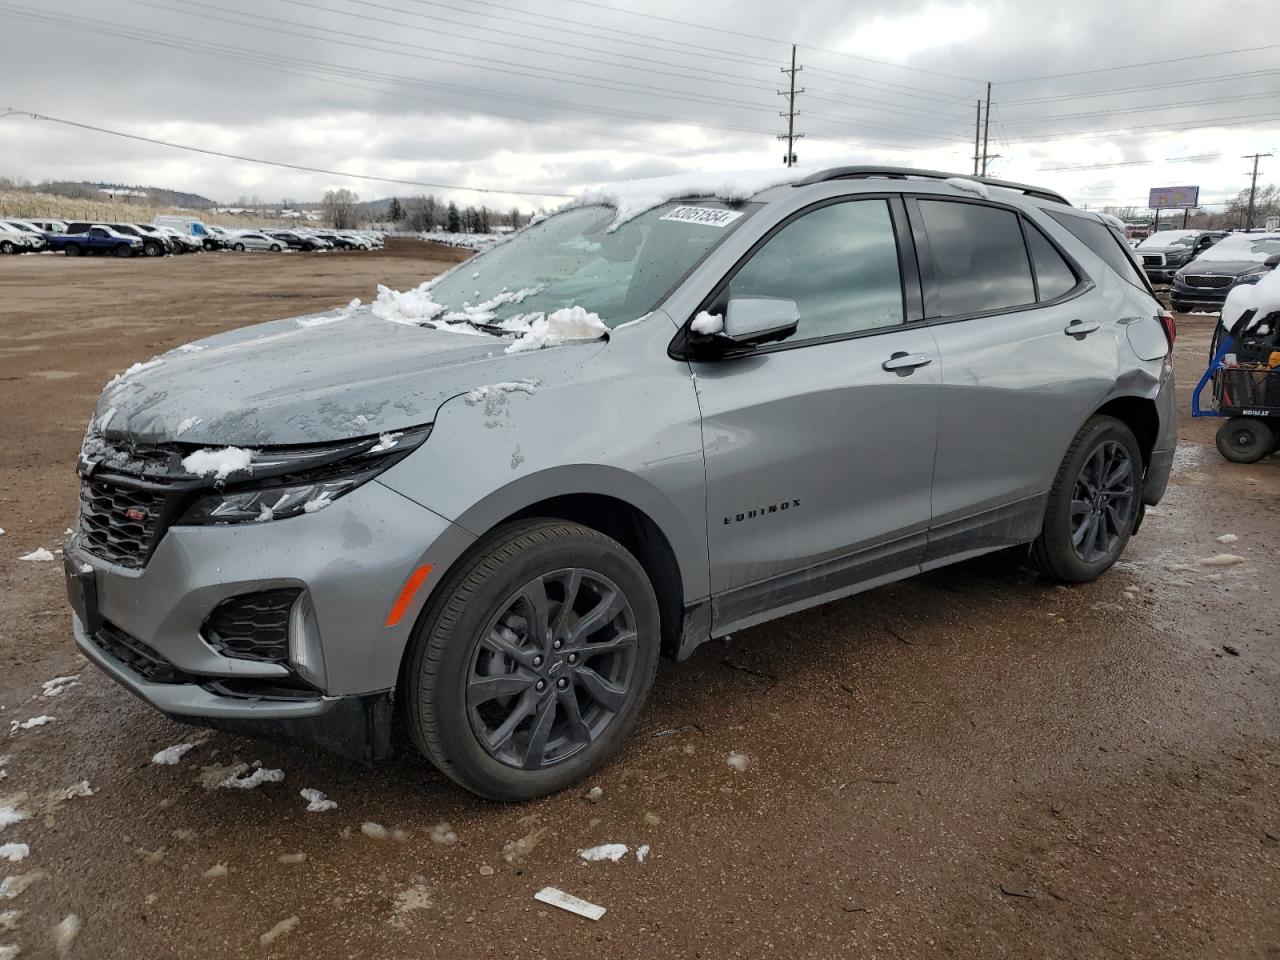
{"x": 903, "y": 173}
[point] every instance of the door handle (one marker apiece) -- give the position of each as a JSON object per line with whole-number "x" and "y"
{"x": 1080, "y": 328}
{"x": 906, "y": 361}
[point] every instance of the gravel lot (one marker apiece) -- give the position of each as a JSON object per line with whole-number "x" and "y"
{"x": 971, "y": 764}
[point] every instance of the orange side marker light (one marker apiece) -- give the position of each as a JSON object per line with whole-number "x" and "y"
{"x": 407, "y": 594}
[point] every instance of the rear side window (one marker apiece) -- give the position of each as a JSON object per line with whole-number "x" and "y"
{"x": 1104, "y": 244}
{"x": 1054, "y": 275}
{"x": 980, "y": 262}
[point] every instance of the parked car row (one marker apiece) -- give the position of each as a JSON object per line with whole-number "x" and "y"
{"x": 168, "y": 235}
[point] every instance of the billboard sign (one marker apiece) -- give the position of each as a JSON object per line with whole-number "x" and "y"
{"x": 1179, "y": 198}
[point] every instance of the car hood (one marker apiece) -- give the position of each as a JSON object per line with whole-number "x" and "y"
{"x": 1221, "y": 268}
{"x": 314, "y": 379}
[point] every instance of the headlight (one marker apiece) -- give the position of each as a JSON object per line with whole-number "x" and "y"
{"x": 291, "y": 482}
{"x": 1249, "y": 278}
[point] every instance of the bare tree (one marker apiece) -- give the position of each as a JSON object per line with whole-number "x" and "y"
{"x": 340, "y": 208}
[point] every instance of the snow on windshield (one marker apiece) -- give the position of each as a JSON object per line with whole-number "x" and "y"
{"x": 575, "y": 275}
{"x": 630, "y": 198}
{"x": 1244, "y": 246}
{"x": 1169, "y": 238}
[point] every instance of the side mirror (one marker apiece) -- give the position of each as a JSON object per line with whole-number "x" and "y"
{"x": 754, "y": 320}
{"x": 1272, "y": 261}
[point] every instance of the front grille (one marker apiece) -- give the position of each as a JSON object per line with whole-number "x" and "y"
{"x": 1153, "y": 260}
{"x": 253, "y": 626}
{"x": 137, "y": 656}
{"x": 1208, "y": 283}
{"x": 119, "y": 524}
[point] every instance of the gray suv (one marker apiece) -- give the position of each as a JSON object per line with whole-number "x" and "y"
{"x": 481, "y": 509}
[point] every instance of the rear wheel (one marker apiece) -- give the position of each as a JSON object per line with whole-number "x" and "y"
{"x": 1245, "y": 439}
{"x": 275, "y": 248}
{"x": 72, "y": 250}
{"x": 530, "y": 668}
{"x": 238, "y": 247}
{"x": 1093, "y": 504}
{"x": 7, "y": 247}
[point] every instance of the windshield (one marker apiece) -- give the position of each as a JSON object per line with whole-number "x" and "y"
{"x": 573, "y": 259}
{"x": 1243, "y": 246}
{"x": 1169, "y": 238}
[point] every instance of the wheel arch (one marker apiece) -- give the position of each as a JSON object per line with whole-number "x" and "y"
{"x": 1140, "y": 415}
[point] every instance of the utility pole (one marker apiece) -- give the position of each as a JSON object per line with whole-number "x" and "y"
{"x": 977, "y": 135}
{"x": 1253, "y": 185}
{"x": 986, "y": 127}
{"x": 791, "y": 136}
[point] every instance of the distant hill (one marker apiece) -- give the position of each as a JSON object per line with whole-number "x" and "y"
{"x": 157, "y": 196}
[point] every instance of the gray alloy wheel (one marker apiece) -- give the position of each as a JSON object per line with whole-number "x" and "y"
{"x": 239, "y": 247}
{"x": 275, "y": 248}
{"x": 530, "y": 663}
{"x": 7, "y": 247}
{"x": 552, "y": 668}
{"x": 1093, "y": 505}
{"x": 1103, "y": 502}
{"x": 152, "y": 249}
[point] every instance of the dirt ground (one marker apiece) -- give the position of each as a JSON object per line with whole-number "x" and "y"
{"x": 971, "y": 764}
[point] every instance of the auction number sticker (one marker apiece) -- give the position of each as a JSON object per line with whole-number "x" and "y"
{"x": 708, "y": 216}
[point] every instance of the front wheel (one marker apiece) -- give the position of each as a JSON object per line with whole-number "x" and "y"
{"x": 275, "y": 248}
{"x": 239, "y": 247}
{"x": 530, "y": 667}
{"x": 124, "y": 250}
{"x": 1245, "y": 439}
{"x": 1093, "y": 504}
{"x": 7, "y": 247}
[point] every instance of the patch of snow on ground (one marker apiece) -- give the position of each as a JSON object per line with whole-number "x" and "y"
{"x": 738, "y": 761}
{"x": 633, "y": 197}
{"x": 216, "y": 871}
{"x": 217, "y": 463}
{"x": 51, "y": 688}
{"x": 317, "y": 802}
{"x": 1225, "y": 538}
{"x": 562, "y": 326}
{"x": 238, "y": 781}
{"x": 65, "y": 933}
{"x": 612, "y": 852}
{"x": 12, "y": 887}
{"x": 1221, "y": 560}
{"x": 707, "y": 323}
{"x": 80, "y": 789}
{"x": 374, "y": 831}
{"x": 14, "y": 852}
{"x": 642, "y": 851}
{"x": 40, "y": 721}
{"x": 278, "y": 931}
{"x": 970, "y": 186}
{"x": 39, "y": 555}
{"x": 171, "y": 755}
{"x": 443, "y": 833}
{"x": 10, "y": 814}
{"x": 9, "y": 951}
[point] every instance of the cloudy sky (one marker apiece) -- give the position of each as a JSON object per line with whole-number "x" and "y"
{"x": 552, "y": 96}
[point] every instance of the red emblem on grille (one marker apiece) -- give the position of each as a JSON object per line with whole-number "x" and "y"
{"x": 137, "y": 514}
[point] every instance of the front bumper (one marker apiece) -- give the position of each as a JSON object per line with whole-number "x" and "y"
{"x": 1161, "y": 274}
{"x": 1210, "y": 298}
{"x": 350, "y": 561}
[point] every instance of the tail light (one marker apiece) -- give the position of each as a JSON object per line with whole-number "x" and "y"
{"x": 1170, "y": 327}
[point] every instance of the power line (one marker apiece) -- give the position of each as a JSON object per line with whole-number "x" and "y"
{"x": 1194, "y": 125}
{"x": 598, "y": 82}
{"x": 1117, "y": 91}
{"x": 278, "y": 163}
{"x": 1145, "y": 63}
{"x": 1198, "y": 158}
{"x": 1145, "y": 108}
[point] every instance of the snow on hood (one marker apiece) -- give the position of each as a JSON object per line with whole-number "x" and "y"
{"x": 280, "y": 383}
{"x": 1263, "y": 296}
{"x": 633, "y": 197}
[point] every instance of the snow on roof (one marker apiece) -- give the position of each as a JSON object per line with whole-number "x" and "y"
{"x": 633, "y": 197}
{"x": 1263, "y": 296}
{"x": 1243, "y": 246}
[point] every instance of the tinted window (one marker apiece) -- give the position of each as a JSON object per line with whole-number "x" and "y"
{"x": 1053, "y": 275}
{"x": 979, "y": 260}
{"x": 1104, "y": 244}
{"x": 838, "y": 263}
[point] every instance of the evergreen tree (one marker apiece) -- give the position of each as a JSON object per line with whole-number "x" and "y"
{"x": 453, "y": 220}
{"x": 395, "y": 212}
{"x": 485, "y": 226}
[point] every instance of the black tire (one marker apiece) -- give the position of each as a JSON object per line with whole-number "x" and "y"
{"x": 7, "y": 247}
{"x": 1056, "y": 552}
{"x": 275, "y": 248}
{"x": 447, "y": 649}
{"x": 152, "y": 249}
{"x": 123, "y": 250}
{"x": 1246, "y": 439}
{"x": 72, "y": 250}
{"x": 238, "y": 247}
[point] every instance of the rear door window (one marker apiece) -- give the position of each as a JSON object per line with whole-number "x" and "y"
{"x": 1104, "y": 243}
{"x": 980, "y": 263}
{"x": 1054, "y": 276}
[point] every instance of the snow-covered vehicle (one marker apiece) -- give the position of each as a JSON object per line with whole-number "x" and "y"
{"x": 36, "y": 240}
{"x": 484, "y": 506}
{"x": 1241, "y": 258}
{"x": 1165, "y": 251}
